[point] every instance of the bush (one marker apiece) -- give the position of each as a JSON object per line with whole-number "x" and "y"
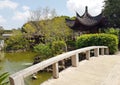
{"x": 43, "y": 50}
{"x": 115, "y": 31}
{"x": 17, "y": 42}
{"x": 112, "y": 31}
{"x": 71, "y": 45}
{"x": 98, "y": 40}
{"x": 58, "y": 47}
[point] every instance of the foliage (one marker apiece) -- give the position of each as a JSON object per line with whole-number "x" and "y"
{"x": 3, "y": 77}
{"x": 112, "y": 12}
{"x": 28, "y": 28}
{"x": 1, "y": 32}
{"x": 56, "y": 29}
{"x": 71, "y": 44}
{"x": 33, "y": 29}
{"x": 98, "y": 40}
{"x": 16, "y": 41}
{"x": 112, "y": 31}
{"x": 32, "y": 33}
{"x": 43, "y": 50}
{"x": 115, "y": 31}
{"x": 58, "y": 47}
{"x": 50, "y": 30}
{"x": 49, "y": 50}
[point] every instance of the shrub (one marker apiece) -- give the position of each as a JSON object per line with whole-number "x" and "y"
{"x": 112, "y": 31}
{"x": 115, "y": 31}
{"x": 71, "y": 45}
{"x": 17, "y": 42}
{"x": 58, "y": 47}
{"x": 98, "y": 40}
{"x": 43, "y": 50}
{"x": 3, "y": 78}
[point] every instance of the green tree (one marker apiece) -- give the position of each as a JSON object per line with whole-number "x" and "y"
{"x": 50, "y": 30}
{"x": 112, "y": 31}
{"x": 58, "y": 47}
{"x": 33, "y": 30}
{"x": 112, "y": 12}
{"x": 17, "y": 41}
{"x": 43, "y": 50}
{"x": 1, "y": 32}
{"x": 32, "y": 33}
{"x": 56, "y": 29}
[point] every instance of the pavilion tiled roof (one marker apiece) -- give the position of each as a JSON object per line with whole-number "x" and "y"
{"x": 86, "y": 19}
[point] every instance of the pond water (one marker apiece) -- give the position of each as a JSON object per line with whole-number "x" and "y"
{"x": 13, "y": 62}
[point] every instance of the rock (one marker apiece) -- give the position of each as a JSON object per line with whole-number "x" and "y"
{"x": 34, "y": 77}
{"x": 36, "y": 60}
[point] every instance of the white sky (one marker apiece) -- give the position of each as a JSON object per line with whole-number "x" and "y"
{"x": 94, "y": 6}
{"x": 14, "y": 13}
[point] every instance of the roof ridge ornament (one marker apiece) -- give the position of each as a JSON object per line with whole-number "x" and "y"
{"x": 77, "y": 14}
{"x": 86, "y": 9}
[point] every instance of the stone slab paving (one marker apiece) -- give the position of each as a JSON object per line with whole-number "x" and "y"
{"x": 102, "y": 70}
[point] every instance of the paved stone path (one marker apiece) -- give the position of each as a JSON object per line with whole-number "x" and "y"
{"x": 102, "y": 70}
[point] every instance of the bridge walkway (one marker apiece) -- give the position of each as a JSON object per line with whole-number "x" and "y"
{"x": 102, "y": 70}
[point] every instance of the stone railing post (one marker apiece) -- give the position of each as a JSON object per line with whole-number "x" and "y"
{"x": 88, "y": 54}
{"x": 107, "y": 51}
{"x": 102, "y": 51}
{"x": 96, "y": 52}
{"x": 17, "y": 80}
{"x": 55, "y": 70}
{"x": 75, "y": 60}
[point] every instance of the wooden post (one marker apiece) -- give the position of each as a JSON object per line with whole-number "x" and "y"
{"x": 102, "y": 51}
{"x": 16, "y": 80}
{"x": 55, "y": 70}
{"x": 88, "y": 54}
{"x": 75, "y": 60}
{"x": 96, "y": 52}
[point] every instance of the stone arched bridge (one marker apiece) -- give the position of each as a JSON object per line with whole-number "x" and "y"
{"x": 102, "y": 69}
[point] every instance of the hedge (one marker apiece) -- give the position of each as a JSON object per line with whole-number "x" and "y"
{"x": 43, "y": 50}
{"x": 98, "y": 40}
{"x": 58, "y": 47}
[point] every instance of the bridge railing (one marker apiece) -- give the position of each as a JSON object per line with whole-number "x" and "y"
{"x": 18, "y": 78}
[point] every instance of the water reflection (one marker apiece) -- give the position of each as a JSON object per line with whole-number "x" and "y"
{"x": 12, "y": 67}
{"x": 13, "y": 62}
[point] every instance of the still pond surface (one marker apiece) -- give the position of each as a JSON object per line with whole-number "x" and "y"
{"x": 13, "y": 62}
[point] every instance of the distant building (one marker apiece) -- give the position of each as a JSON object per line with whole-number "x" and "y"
{"x": 87, "y": 23}
{"x": 6, "y": 35}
